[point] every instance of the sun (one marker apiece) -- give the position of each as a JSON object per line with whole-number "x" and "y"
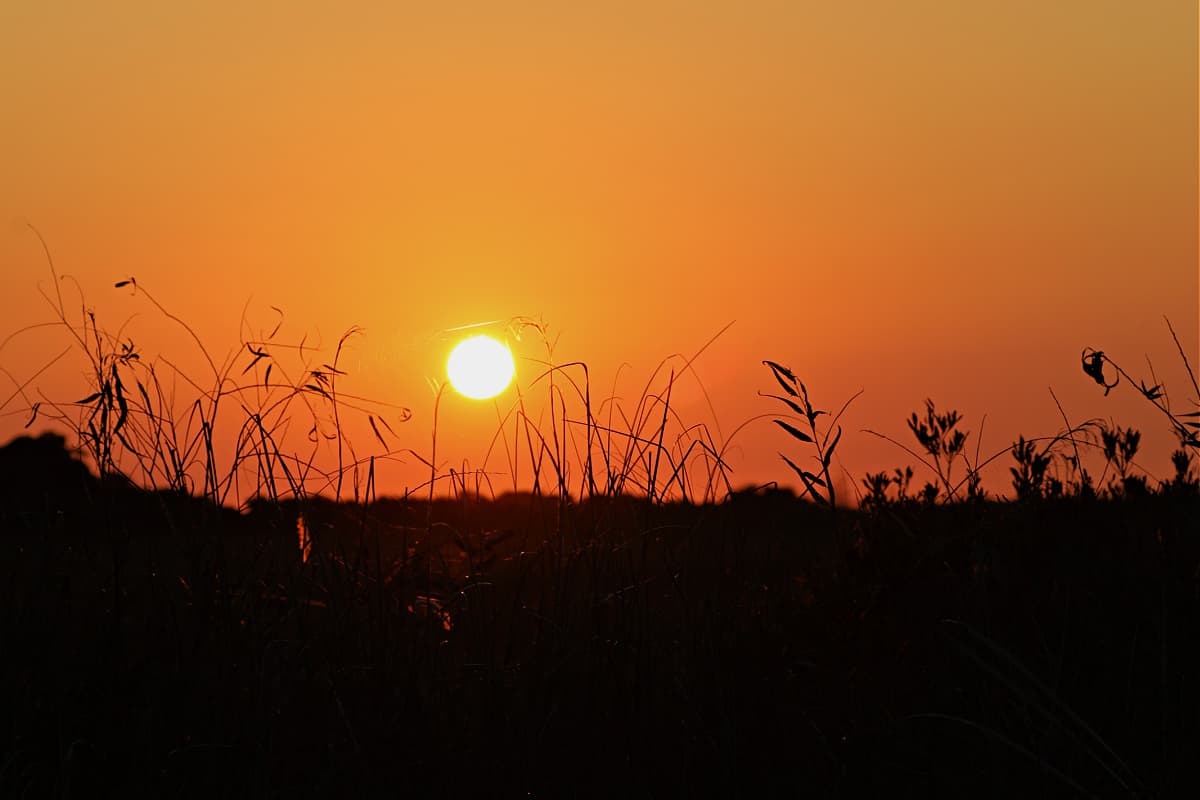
{"x": 480, "y": 367}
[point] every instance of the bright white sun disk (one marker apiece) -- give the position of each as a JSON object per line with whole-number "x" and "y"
{"x": 480, "y": 367}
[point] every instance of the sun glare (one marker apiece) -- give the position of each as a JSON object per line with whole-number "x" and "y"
{"x": 480, "y": 367}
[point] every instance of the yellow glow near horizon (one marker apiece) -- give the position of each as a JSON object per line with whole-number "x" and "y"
{"x": 480, "y": 367}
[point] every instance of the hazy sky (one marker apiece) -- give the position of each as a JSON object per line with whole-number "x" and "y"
{"x": 919, "y": 199}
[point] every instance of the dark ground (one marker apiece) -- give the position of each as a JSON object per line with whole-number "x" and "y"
{"x": 153, "y": 645}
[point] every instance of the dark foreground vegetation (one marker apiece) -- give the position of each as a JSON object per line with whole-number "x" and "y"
{"x": 664, "y": 637}
{"x": 156, "y": 645}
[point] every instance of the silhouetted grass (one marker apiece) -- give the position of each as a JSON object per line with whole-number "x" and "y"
{"x": 611, "y": 646}
{"x": 178, "y": 623}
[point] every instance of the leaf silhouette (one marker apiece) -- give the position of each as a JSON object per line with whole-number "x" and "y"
{"x": 145, "y": 399}
{"x": 793, "y": 405}
{"x": 1093, "y": 367}
{"x": 124, "y": 409}
{"x": 794, "y": 431}
{"x": 780, "y": 372}
{"x": 809, "y": 480}
{"x": 829, "y": 453}
{"x": 275, "y": 330}
{"x": 255, "y": 360}
{"x": 378, "y": 435}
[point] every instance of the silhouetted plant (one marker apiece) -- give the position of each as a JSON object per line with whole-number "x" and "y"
{"x": 902, "y": 479}
{"x": 974, "y": 483}
{"x": 938, "y": 435}
{"x": 1185, "y": 481}
{"x": 1054, "y": 488}
{"x": 877, "y": 485}
{"x": 1186, "y": 425}
{"x": 1081, "y": 484}
{"x": 1119, "y": 446}
{"x": 1077, "y": 482}
{"x": 584, "y": 604}
{"x": 134, "y": 425}
{"x": 1029, "y": 476}
{"x": 648, "y": 449}
{"x": 817, "y": 486}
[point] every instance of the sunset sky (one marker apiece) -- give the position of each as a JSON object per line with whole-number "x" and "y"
{"x": 920, "y": 199}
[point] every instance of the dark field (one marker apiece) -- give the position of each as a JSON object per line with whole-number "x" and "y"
{"x": 154, "y": 645}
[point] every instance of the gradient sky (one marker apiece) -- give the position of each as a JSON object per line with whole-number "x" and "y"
{"x": 918, "y": 199}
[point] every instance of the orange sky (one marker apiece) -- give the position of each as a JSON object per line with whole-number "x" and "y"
{"x": 917, "y": 199}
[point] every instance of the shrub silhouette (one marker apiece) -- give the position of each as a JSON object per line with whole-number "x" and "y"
{"x": 40, "y": 475}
